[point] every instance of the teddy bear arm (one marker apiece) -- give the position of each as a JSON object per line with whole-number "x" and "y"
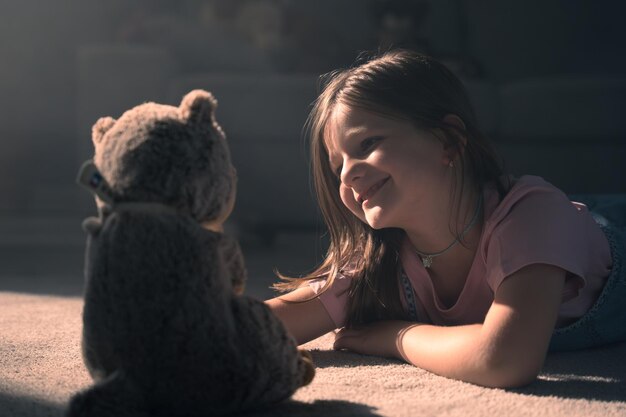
{"x": 280, "y": 367}
{"x": 234, "y": 262}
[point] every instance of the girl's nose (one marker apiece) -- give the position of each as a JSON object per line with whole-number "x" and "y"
{"x": 351, "y": 172}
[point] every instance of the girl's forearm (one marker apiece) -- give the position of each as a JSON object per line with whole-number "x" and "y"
{"x": 448, "y": 351}
{"x": 459, "y": 352}
{"x": 468, "y": 353}
{"x": 507, "y": 350}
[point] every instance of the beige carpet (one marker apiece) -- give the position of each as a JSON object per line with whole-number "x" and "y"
{"x": 40, "y": 367}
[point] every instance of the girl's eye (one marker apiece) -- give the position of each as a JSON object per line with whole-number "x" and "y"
{"x": 368, "y": 143}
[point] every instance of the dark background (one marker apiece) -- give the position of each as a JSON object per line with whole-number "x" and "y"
{"x": 63, "y": 63}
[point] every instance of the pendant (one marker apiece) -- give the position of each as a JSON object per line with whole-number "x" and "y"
{"x": 427, "y": 261}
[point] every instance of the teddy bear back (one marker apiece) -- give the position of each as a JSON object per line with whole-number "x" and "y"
{"x": 175, "y": 156}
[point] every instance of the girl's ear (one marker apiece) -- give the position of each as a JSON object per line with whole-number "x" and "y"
{"x": 457, "y": 146}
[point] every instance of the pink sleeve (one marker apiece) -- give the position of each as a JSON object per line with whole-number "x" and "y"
{"x": 542, "y": 227}
{"x": 334, "y": 298}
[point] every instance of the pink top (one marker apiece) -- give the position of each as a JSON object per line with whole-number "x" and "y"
{"x": 534, "y": 223}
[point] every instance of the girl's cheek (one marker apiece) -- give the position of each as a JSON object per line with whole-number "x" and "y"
{"x": 347, "y": 196}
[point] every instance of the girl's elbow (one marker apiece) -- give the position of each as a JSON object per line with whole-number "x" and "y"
{"x": 510, "y": 378}
{"x": 512, "y": 373}
{"x": 496, "y": 376}
{"x": 510, "y": 365}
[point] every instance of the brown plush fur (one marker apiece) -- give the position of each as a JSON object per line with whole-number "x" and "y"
{"x": 164, "y": 331}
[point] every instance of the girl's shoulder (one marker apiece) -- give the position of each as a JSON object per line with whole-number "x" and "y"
{"x": 528, "y": 195}
{"x": 535, "y": 222}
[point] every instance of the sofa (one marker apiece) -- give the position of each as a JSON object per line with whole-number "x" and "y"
{"x": 564, "y": 128}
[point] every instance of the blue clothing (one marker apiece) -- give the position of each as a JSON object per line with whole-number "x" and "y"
{"x": 605, "y": 321}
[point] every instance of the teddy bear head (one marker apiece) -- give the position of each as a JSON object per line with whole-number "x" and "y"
{"x": 175, "y": 156}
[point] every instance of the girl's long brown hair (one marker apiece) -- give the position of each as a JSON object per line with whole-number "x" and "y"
{"x": 404, "y": 85}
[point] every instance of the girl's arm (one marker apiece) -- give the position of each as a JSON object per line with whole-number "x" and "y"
{"x": 507, "y": 350}
{"x": 304, "y": 320}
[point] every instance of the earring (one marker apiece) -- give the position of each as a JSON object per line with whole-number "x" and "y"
{"x": 451, "y": 164}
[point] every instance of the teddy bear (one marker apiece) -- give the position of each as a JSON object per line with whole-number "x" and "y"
{"x": 166, "y": 328}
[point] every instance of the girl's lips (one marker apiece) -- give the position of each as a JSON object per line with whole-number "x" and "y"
{"x": 371, "y": 191}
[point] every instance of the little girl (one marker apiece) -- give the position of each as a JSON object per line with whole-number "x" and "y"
{"x": 436, "y": 257}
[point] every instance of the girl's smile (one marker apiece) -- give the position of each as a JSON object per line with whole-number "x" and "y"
{"x": 366, "y": 197}
{"x": 390, "y": 172}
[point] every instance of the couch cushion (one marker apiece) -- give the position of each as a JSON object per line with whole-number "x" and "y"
{"x": 263, "y": 116}
{"x": 567, "y": 130}
{"x": 564, "y": 109}
{"x": 485, "y": 100}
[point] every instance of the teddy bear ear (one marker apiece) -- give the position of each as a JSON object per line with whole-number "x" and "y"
{"x": 100, "y": 128}
{"x": 198, "y": 106}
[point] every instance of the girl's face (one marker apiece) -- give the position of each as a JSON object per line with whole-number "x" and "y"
{"x": 391, "y": 173}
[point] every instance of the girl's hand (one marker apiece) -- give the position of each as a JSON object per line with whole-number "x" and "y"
{"x": 382, "y": 338}
{"x": 303, "y": 314}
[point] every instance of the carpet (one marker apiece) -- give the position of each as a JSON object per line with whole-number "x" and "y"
{"x": 41, "y": 366}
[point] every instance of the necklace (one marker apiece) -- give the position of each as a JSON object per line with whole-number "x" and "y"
{"x": 427, "y": 258}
